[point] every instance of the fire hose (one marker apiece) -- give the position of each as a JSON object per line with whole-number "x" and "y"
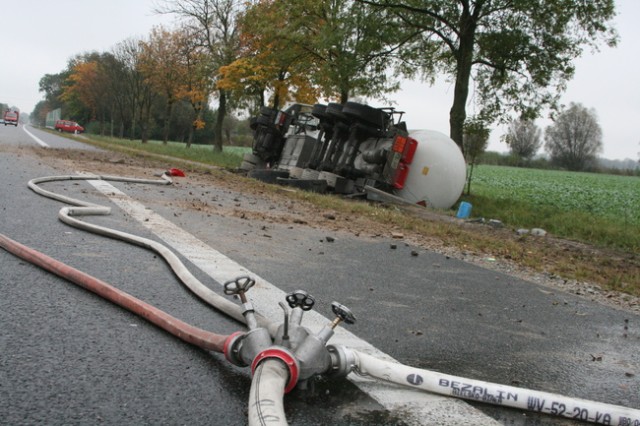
{"x": 287, "y": 355}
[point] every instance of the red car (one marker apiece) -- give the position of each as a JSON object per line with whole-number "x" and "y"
{"x": 68, "y": 126}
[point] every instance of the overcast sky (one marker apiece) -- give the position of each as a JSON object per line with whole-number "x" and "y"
{"x": 39, "y": 37}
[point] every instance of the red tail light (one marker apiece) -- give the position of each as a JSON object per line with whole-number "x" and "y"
{"x": 400, "y": 176}
{"x": 399, "y": 144}
{"x": 410, "y": 150}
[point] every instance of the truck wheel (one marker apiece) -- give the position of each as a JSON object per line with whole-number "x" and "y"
{"x": 251, "y": 158}
{"x": 265, "y": 121}
{"x": 365, "y": 113}
{"x": 268, "y": 175}
{"x": 266, "y": 111}
{"x": 320, "y": 111}
{"x": 311, "y": 185}
{"x": 334, "y": 111}
{"x": 246, "y": 166}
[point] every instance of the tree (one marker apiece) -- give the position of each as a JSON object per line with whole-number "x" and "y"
{"x": 161, "y": 64}
{"x": 270, "y": 59}
{"x": 333, "y": 48}
{"x": 86, "y": 91}
{"x": 518, "y": 53}
{"x": 476, "y": 139}
{"x": 524, "y": 139}
{"x": 198, "y": 83}
{"x": 135, "y": 92}
{"x": 52, "y": 86}
{"x": 575, "y": 137}
{"x": 215, "y": 21}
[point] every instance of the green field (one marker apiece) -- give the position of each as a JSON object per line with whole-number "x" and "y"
{"x": 598, "y": 208}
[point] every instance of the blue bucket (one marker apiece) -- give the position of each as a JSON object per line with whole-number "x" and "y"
{"x": 464, "y": 211}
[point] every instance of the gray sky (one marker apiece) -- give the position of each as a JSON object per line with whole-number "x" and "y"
{"x": 39, "y": 37}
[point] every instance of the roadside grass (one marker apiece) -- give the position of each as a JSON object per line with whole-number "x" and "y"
{"x": 229, "y": 158}
{"x": 596, "y": 225}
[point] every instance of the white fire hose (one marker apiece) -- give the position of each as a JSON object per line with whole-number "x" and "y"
{"x": 266, "y": 407}
{"x": 84, "y": 208}
{"x": 492, "y": 393}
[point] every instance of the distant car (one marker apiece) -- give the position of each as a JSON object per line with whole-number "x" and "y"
{"x": 68, "y": 126}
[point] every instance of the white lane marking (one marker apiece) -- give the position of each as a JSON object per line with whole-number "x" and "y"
{"x": 34, "y": 137}
{"x": 418, "y": 408}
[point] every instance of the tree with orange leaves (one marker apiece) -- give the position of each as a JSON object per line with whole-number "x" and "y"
{"x": 162, "y": 66}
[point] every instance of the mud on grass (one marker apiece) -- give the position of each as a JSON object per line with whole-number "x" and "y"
{"x": 608, "y": 275}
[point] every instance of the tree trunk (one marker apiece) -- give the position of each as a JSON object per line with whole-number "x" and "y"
{"x": 145, "y": 115}
{"x": 464, "y": 60}
{"x": 222, "y": 112}
{"x": 344, "y": 96}
{"x": 167, "y": 120}
{"x": 469, "y": 176}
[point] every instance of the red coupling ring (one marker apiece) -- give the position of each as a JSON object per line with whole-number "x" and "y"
{"x": 284, "y": 356}
{"x": 228, "y": 345}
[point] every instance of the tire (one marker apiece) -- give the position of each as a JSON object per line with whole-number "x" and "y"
{"x": 265, "y": 121}
{"x": 268, "y": 175}
{"x": 319, "y": 111}
{"x": 311, "y": 185}
{"x": 251, "y": 158}
{"x": 364, "y": 113}
{"x": 334, "y": 112}
{"x": 267, "y": 112}
{"x": 246, "y": 166}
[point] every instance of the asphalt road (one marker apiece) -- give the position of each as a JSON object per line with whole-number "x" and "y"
{"x": 68, "y": 357}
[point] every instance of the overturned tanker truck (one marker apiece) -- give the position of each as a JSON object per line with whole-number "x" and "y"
{"x": 354, "y": 148}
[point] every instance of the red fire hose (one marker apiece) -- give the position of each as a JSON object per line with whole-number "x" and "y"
{"x": 188, "y": 333}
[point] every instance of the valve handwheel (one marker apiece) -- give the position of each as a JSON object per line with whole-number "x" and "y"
{"x": 238, "y": 286}
{"x": 300, "y": 299}
{"x": 343, "y": 313}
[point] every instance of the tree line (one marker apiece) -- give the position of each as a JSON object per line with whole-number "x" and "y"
{"x": 503, "y": 57}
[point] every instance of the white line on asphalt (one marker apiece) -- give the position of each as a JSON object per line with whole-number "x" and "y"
{"x": 418, "y": 408}
{"x": 34, "y": 137}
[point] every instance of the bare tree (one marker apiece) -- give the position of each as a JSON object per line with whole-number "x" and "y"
{"x": 524, "y": 139}
{"x": 575, "y": 138}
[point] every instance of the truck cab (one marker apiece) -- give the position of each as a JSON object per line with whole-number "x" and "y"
{"x": 11, "y": 117}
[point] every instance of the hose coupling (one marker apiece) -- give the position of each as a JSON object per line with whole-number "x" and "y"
{"x": 232, "y": 347}
{"x": 282, "y": 354}
{"x": 343, "y": 361}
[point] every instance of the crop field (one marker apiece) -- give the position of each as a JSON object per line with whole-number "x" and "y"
{"x": 555, "y": 199}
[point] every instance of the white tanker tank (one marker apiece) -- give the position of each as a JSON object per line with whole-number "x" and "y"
{"x": 351, "y": 147}
{"x": 437, "y": 173}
